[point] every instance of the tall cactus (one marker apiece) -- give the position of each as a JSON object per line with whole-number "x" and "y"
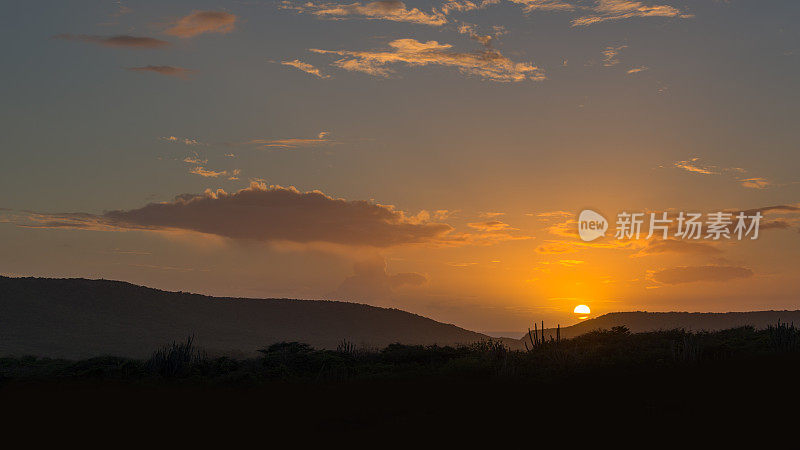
{"x": 538, "y": 340}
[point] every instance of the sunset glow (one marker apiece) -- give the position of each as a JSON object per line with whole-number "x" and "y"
{"x": 433, "y": 157}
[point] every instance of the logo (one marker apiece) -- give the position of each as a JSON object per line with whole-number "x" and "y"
{"x": 591, "y": 225}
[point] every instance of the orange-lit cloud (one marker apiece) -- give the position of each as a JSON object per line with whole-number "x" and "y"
{"x": 124, "y": 41}
{"x": 755, "y": 183}
{"x": 207, "y": 173}
{"x": 610, "y": 55}
{"x": 657, "y": 246}
{"x": 199, "y": 22}
{"x": 693, "y": 165}
{"x": 555, "y": 247}
{"x": 466, "y": 5}
{"x": 392, "y": 10}
{"x": 487, "y": 64}
{"x": 171, "y": 71}
{"x": 552, "y": 215}
{"x": 321, "y": 139}
{"x": 605, "y": 10}
{"x": 305, "y": 67}
{"x": 491, "y": 226}
{"x": 544, "y": 5}
{"x": 637, "y": 70}
{"x": 177, "y": 140}
{"x": 691, "y": 274}
{"x": 485, "y": 39}
{"x": 194, "y": 159}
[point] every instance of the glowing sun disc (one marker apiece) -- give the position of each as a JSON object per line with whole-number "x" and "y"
{"x": 582, "y": 309}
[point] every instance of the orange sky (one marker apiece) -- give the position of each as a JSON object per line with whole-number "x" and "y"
{"x": 429, "y": 156}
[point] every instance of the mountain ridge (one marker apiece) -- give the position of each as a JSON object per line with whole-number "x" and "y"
{"x": 78, "y": 318}
{"x": 642, "y": 321}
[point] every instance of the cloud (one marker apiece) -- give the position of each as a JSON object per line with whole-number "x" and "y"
{"x": 464, "y": 6}
{"x": 693, "y": 165}
{"x": 658, "y": 246}
{"x": 207, "y": 173}
{"x": 485, "y": 39}
{"x": 555, "y": 247}
{"x": 371, "y": 281}
{"x": 194, "y": 159}
{"x": 637, "y": 70}
{"x": 122, "y": 40}
{"x": 392, "y": 10}
{"x": 491, "y": 226}
{"x": 487, "y": 64}
{"x": 177, "y": 140}
{"x": 610, "y": 55}
{"x": 755, "y": 183}
{"x": 544, "y": 5}
{"x": 305, "y": 67}
{"x": 606, "y": 10}
{"x": 199, "y": 22}
{"x": 570, "y": 262}
{"x": 320, "y": 139}
{"x": 171, "y": 71}
{"x": 691, "y": 274}
{"x": 549, "y": 215}
{"x": 262, "y": 213}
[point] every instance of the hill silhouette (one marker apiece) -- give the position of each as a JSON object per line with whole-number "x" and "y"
{"x": 79, "y": 318}
{"x": 641, "y": 321}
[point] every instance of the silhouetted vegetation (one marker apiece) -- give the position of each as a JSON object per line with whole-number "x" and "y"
{"x": 606, "y": 351}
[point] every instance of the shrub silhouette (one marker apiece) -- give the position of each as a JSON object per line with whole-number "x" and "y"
{"x": 176, "y": 359}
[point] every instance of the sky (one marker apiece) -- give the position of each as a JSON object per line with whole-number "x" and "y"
{"x": 424, "y": 155}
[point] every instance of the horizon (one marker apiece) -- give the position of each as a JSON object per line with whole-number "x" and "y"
{"x": 512, "y": 334}
{"x": 476, "y": 163}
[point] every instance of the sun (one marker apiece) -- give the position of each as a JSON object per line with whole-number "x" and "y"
{"x": 582, "y": 310}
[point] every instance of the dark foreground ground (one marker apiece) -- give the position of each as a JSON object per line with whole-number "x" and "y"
{"x": 670, "y": 381}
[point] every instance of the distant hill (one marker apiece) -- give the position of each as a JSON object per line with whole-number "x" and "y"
{"x": 640, "y": 321}
{"x": 79, "y": 318}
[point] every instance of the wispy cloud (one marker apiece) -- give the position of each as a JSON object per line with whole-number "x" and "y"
{"x": 177, "y": 140}
{"x": 171, "y": 71}
{"x": 637, "y": 69}
{"x": 487, "y": 64}
{"x": 122, "y": 40}
{"x": 321, "y": 139}
{"x": 466, "y": 5}
{"x": 200, "y": 22}
{"x": 606, "y": 10}
{"x": 392, "y": 10}
{"x": 491, "y": 226}
{"x": 610, "y": 55}
{"x": 692, "y": 274}
{"x": 207, "y": 173}
{"x": 755, "y": 183}
{"x": 305, "y": 67}
{"x": 694, "y": 165}
{"x": 194, "y": 159}
{"x": 485, "y": 39}
{"x": 660, "y": 246}
{"x": 544, "y": 5}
